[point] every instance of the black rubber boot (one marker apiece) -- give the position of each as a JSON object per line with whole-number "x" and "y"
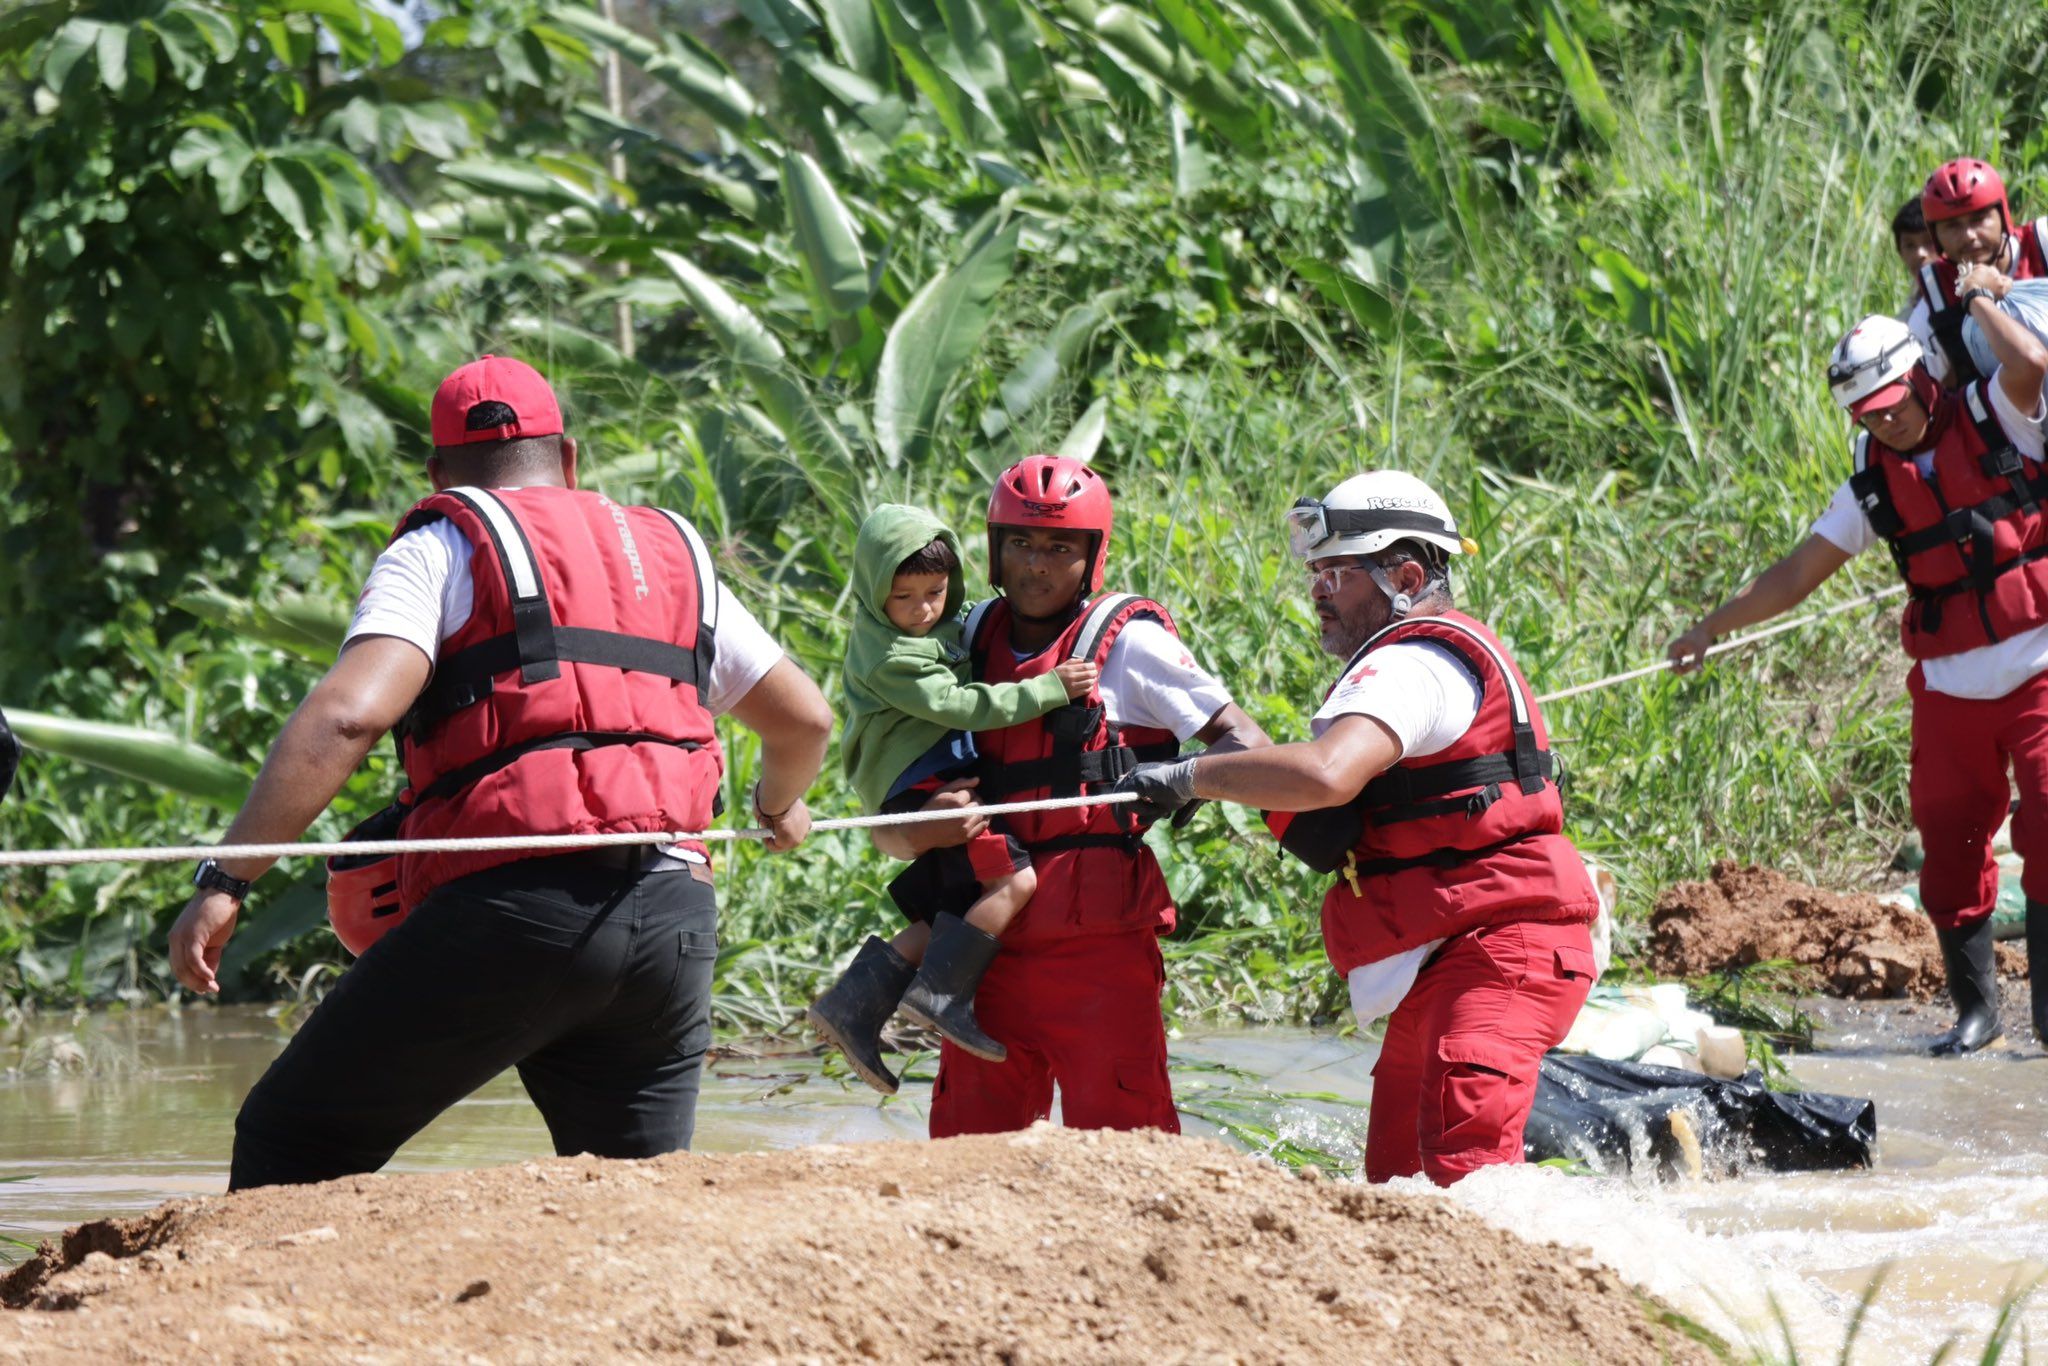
{"x": 1970, "y": 956}
{"x": 2037, "y": 966}
{"x": 850, "y": 1016}
{"x": 943, "y": 994}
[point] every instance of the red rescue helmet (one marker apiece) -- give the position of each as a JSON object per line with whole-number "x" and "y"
{"x": 1050, "y": 491}
{"x": 1962, "y": 187}
{"x": 362, "y": 889}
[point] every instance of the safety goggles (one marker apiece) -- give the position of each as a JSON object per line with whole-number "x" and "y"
{"x": 1310, "y": 523}
{"x": 1326, "y": 577}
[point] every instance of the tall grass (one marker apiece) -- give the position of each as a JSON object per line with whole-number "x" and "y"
{"x": 1607, "y": 355}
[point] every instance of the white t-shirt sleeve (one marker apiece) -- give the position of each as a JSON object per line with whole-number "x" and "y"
{"x": 419, "y": 590}
{"x": 1419, "y": 690}
{"x": 1150, "y": 679}
{"x": 2024, "y": 429}
{"x": 1845, "y": 525}
{"x": 745, "y": 652}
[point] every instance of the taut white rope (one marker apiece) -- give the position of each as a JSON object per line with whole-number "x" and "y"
{"x": 32, "y": 858}
{"x": 1732, "y": 643}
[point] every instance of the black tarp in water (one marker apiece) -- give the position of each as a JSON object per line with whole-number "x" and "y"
{"x": 1616, "y": 1117}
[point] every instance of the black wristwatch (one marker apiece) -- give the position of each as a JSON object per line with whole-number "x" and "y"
{"x": 1970, "y": 296}
{"x": 212, "y": 878}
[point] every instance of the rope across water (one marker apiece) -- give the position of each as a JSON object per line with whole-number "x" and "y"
{"x": 181, "y": 853}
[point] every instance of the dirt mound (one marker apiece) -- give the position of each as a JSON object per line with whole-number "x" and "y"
{"x": 1049, "y": 1245}
{"x": 1856, "y": 946}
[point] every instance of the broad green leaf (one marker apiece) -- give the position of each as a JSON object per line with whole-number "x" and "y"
{"x": 948, "y": 100}
{"x": 160, "y": 760}
{"x": 1371, "y": 309}
{"x": 1581, "y": 78}
{"x": 1373, "y": 78}
{"x": 270, "y": 923}
{"x": 827, "y": 239}
{"x": 857, "y": 37}
{"x": 72, "y": 42}
{"x": 524, "y": 182}
{"x": 1206, "y": 91}
{"x": 784, "y": 23}
{"x": 282, "y": 192}
{"x": 309, "y": 627}
{"x": 932, "y": 338}
{"x": 691, "y": 74}
{"x": 765, "y": 367}
{"x": 1086, "y": 438}
{"x": 1285, "y": 23}
{"x": 27, "y": 25}
{"x": 1033, "y": 377}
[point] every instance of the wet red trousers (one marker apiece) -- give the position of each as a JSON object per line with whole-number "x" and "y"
{"x": 1457, "y": 1072}
{"x": 1959, "y": 789}
{"x": 1082, "y": 1014}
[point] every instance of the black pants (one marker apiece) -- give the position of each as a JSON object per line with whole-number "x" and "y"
{"x": 594, "y": 982}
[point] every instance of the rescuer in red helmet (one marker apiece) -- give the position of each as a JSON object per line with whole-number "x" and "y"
{"x": 1075, "y": 992}
{"x": 1952, "y": 484}
{"x": 1964, "y": 205}
{"x": 553, "y": 663}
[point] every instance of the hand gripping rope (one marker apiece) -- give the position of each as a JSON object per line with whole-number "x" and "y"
{"x": 34, "y": 858}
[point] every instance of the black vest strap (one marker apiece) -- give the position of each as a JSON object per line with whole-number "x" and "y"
{"x": 458, "y": 780}
{"x": 1437, "y": 858}
{"x": 1403, "y": 794}
{"x": 468, "y": 676}
{"x": 1945, "y": 319}
{"x": 1066, "y": 773}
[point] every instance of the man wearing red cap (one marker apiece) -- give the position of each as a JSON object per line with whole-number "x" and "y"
{"x": 552, "y": 663}
{"x": 1074, "y": 994}
{"x": 1952, "y": 482}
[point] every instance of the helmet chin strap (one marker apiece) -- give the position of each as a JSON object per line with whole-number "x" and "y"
{"x": 1401, "y": 603}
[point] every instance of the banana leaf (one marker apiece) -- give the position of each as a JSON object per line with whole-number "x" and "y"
{"x": 1033, "y": 377}
{"x": 309, "y": 627}
{"x": 828, "y": 241}
{"x": 160, "y": 760}
{"x": 933, "y": 337}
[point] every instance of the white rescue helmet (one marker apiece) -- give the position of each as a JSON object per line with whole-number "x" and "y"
{"x": 1873, "y": 366}
{"x": 1369, "y": 512}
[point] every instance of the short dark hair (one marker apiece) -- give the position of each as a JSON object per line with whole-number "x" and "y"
{"x": 935, "y": 557}
{"x": 1910, "y": 218}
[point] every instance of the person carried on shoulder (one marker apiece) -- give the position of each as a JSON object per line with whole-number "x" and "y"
{"x": 1964, "y": 205}
{"x": 912, "y": 708}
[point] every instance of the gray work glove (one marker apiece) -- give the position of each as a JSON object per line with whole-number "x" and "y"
{"x": 1163, "y": 789}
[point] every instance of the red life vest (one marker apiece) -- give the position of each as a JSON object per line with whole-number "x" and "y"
{"x": 1453, "y": 841}
{"x": 1970, "y": 539}
{"x": 1095, "y": 875}
{"x": 569, "y": 702}
{"x": 1945, "y": 313}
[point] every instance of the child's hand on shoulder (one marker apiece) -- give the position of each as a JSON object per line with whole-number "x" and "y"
{"x": 1079, "y": 676}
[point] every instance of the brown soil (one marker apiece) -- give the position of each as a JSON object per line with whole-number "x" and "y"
{"x": 1049, "y": 1245}
{"x": 1855, "y": 946}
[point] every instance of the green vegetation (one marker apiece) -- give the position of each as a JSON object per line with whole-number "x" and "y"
{"x": 1576, "y": 262}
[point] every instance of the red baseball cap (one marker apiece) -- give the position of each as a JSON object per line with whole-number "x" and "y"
{"x": 495, "y": 379}
{"x": 1881, "y": 398}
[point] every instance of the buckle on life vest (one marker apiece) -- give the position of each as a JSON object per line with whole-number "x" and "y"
{"x": 1350, "y": 872}
{"x": 1478, "y": 802}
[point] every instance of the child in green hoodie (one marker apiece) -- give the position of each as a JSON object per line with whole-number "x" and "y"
{"x": 912, "y": 710}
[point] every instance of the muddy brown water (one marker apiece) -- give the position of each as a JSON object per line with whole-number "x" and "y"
{"x": 112, "y": 1114}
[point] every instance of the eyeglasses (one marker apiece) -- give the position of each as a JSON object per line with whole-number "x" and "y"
{"x": 1326, "y": 577}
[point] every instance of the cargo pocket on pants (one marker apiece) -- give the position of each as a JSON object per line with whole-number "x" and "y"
{"x": 1483, "y": 1079}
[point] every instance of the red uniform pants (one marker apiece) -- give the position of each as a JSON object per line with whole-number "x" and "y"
{"x": 1457, "y": 1073}
{"x": 1961, "y": 751}
{"x": 1080, "y": 1013}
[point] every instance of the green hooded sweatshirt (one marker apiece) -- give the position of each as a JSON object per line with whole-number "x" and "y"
{"x": 904, "y": 692}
